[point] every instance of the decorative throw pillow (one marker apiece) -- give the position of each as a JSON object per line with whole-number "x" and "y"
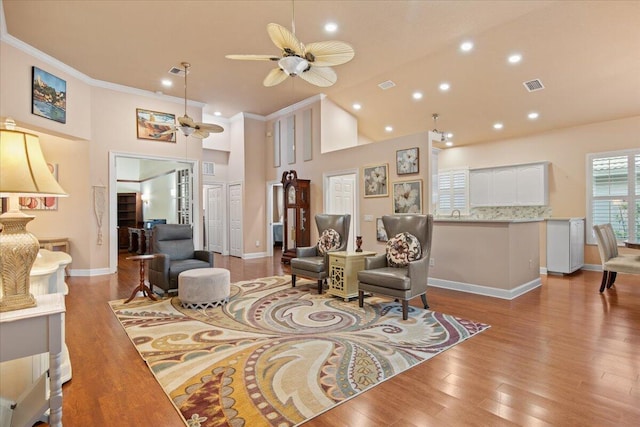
{"x": 402, "y": 249}
{"x": 328, "y": 241}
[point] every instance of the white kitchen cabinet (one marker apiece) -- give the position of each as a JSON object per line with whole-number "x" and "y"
{"x": 480, "y": 187}
{"x": 517, "y": 185}
{"x": 565, "y": 245}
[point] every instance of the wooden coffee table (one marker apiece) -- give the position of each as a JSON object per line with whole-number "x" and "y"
{"x": 142, "y": 286}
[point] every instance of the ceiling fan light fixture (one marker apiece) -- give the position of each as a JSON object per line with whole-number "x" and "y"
{"x": 293, "y": 65}
{"x": 186, "y": 130}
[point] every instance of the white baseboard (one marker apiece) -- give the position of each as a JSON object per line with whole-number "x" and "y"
{"x": 90, "y": 272}
{"x": 471, "y": 288}
{"x": 254, "y": 255}
{"x": 592, "y": 267}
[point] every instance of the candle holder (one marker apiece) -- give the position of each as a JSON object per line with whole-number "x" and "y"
{"x": 358, "y": 243}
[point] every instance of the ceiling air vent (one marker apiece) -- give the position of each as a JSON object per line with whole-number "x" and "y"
{"x": 386, "y": 85}
{"x": 176, "y": 71}
{"x": 208, "y": 168}
{"x": 533, "y": 85}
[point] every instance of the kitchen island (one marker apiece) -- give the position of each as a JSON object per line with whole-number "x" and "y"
{"x": 498, "y": 258}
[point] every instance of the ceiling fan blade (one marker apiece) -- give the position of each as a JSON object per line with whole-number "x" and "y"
{"x": 186, "y": 121}
{"x": 275, "y": 76}
{"x": 323, "y": 76}
{"x": 209, "y": 127}
{"x": 200, "y": 134}
{"x": 329, "y": 53}
{"x": 284, "y": 39}
{"x": 253, "y": 57}
{"x": 168, "y": 132}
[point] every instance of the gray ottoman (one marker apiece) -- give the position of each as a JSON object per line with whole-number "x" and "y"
{"x": 204, "y": 287}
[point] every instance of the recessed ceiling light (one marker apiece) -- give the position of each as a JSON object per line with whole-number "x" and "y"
{"x": 331, "y": 27}
{"x": 417, "y": 95}
{"x": 449, "y": 144}
{"x": 533, "y": 115}
{"x": 449, "y": 135}
{"x": 466, "y": 46}
{"x": 217, "y": 113}
{"x": 498, "y": 125}
{"x": 444, "y": 86}
{"x": 167, "y": 83}
{"x": 388, "y": 128}
{"x": 356, "y": 106}
{"x": 515, "y": 58}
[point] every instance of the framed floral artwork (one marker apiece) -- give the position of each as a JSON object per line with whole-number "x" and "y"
{"x": 407, "y": 197}
{"x": 381, "y": 232}
{"x": 407, "y": 161}
{"x": 376, "y": 180}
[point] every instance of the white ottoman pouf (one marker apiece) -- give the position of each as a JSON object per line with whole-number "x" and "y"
{"x": 204, "y": 287}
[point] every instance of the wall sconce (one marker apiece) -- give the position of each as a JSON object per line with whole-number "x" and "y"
{"x": 145, "y": 198}
{"x": 23, "y": 173}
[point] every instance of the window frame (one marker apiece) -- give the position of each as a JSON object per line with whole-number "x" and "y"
{"x": 632, "y": 197}
{"x": 451, "y": 191}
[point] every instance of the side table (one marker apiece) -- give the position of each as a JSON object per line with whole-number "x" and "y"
{"x": 142, "y": 286}
{"x": 343, "y": 272}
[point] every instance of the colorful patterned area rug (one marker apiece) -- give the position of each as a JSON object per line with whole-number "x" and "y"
{"x": 277, "y": 355}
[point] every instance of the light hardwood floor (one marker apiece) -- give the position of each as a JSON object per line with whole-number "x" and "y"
{"x": 562, "y": 355}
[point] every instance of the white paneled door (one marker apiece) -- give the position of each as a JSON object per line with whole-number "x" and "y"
{"x": 215, "y": 218}
{"x": 341, "y": 200}
{"x": 235, "y": 220}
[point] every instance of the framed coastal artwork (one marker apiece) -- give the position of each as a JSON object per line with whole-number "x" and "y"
{"x": 407, "y": 197}
{"x": 152, "y": 124}
{"x": 376, "y": 180}
{"x": 407, "y": 161}
{"x": 41, "y": 203}
{"x": 48, "y": 96}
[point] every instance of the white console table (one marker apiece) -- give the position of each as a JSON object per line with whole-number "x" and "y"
{"x": 28, "y": 332}
{"x": 47, "y": 277}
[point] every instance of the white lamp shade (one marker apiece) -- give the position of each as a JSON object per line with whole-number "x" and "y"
{"x": 23, "y": 169}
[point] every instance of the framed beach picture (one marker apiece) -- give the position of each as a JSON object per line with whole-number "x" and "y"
{"x": 381, "y": 232}
{"x": 48, "y": 96}
{"x": 376, "y": 180}
{"x": 407, "y": 197}
{"x": 41, "y": 203}
{"x": 151, "y": 124}
{"x": 407, "y": 161}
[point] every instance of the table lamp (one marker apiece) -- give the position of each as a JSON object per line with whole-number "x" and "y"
{"x": 23, "y": 172}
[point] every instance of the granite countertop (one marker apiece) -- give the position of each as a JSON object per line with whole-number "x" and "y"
{"x": 476, "y": 220}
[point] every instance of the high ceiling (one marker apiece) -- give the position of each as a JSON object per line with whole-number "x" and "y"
{"x": 586, "y": 54}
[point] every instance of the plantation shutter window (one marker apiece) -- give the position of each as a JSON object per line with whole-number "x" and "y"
{"x": 453, "y": 191}
{"x": 614, "y": 193}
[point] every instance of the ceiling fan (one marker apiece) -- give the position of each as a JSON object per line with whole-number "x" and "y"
{"x": 186, "y": 124}
{"x": 311, "y": 62}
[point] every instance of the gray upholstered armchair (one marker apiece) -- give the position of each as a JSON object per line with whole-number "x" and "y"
{"x": 174, "y": 253}
{"x": 402, "y": 283}
{"x": 312, "y": 264}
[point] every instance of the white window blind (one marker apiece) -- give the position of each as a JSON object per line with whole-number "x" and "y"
{"x": 453, "y": 191}
{"x": 614, "y": 193}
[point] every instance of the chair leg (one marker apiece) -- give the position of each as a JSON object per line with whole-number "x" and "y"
{"x": 612, "y": 278}
{"x": 604, "y": 280}
{"x": 424, "y": 300}
{"x": 320, "y": 282}
{"x": 405, "y": 309}
{"x": 293, "y": 281}
{"x": 360, "y": 298}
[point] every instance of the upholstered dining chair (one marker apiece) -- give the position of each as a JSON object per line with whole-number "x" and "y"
{"x": 172, "y": 245}
{"x": 312, "y": 261}
{"x": 402, "y": 271}
{"x": 612, "y": 262}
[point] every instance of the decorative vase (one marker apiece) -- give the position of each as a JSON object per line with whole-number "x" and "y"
{"x": 358, "y": 243}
